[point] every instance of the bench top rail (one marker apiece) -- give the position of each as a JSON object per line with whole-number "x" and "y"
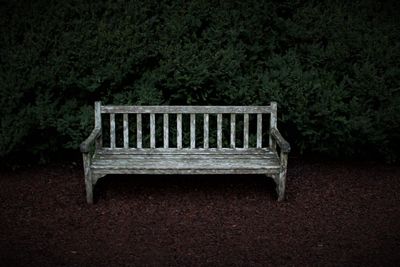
{"x": 186, "y": 109}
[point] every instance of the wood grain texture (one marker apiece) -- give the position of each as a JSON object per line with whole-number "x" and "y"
{"x": 88, "y": 177}
{"x": 179, "y": 130}
{"x": 180, "y": 156}
{"x": 184, "y": 151}
{"x": 281, "y": 185}
{"x": 259, "y": 130}
{"x": 282, "y": 143}
{"x": 192, "y": 130}
{"x": 170, "y": 162}
{"x": 85, "y": 145}
{"x": 97, "y": 123}
{"x": 187, "y": 163}
{"x": 206, "y": 131}
{"x": 233, "y": 131}
{"x": 139, "y": 130}
{"x": 166, "y": 131}
{"x": 273, "y": 124}
{"x": 126, "y": 131}
{"x": 219, "y": 131}
{"x": 246, "y": 130}
{"x": 103, "y": 172}
{"x": 112, "y": 130}
{"x": 152, "y": 130}
{"x": 97, "y": 114}
{"x": 186, "y": 109}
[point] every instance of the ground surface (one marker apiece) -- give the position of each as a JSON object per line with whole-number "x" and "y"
{"x": 336, "y": 214}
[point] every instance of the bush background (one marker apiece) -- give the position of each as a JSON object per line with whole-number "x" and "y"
{"x": 333, "y": 67}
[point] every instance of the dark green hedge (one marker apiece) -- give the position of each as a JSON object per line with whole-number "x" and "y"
{"x": 332, "y": 66}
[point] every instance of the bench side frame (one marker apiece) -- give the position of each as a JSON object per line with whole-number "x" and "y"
{"x": 95, "y": 138}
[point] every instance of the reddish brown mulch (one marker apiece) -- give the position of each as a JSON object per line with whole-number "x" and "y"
{"x": 337, "y": 214}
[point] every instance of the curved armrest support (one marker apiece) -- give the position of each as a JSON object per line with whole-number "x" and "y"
{"x": 85, "y": 145}
{"x": 283, "y": 144}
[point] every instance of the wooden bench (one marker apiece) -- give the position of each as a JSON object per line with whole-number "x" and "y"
{"x": 119, "y": 157}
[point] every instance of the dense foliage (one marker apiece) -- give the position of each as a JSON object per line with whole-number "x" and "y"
{"x": 332, "y": 66}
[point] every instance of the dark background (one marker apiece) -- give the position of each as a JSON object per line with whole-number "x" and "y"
{"x": 332, "y": 66}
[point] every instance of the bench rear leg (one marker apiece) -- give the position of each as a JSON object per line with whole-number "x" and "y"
{"x": 280, "y": 183}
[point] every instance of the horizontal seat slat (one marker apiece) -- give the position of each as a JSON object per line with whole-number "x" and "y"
{"x": 174, "y": 161}
{"x": 183, "y": 156}
{"x": 103, "y": 172}
{"x": 184, "y": 151}
{"x": 186, "y": 109}
{"x": 197, "y": 163}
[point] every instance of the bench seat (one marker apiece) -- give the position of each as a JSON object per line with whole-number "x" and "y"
{"x": 185, "y": 161}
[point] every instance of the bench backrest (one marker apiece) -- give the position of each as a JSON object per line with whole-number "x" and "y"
{"x": 194, "y": 111}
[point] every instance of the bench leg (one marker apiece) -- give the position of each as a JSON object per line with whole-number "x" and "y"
{"x": 89, "y": 188}
{"x": 88, "y": 178}
{"x": 281, "y": 181}
{"x": 280, "y": 185}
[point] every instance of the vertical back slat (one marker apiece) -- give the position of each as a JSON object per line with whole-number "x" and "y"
{"x": 179, "y": 130}
{"x": 219, "y": 131}
{"x": 272, "y": 122}
{"x": 97, "y": 114}
{"x": 246, "y": 131}
{"x": 259, "y": 130}
{"x": 206, "y": 123}
{"x": 126, "y": 131}
{"x": 166, "y": 131}
{"x": 152, "y": 130}
{"x": 192, "y": 130}
{"x": 139, "y": 130}
{"x": 233, "y": 130}
{"x": 112, "y": 130}
{"x": 97, "y": 122}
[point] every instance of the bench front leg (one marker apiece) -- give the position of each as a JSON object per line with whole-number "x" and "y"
{"x": 94, "y": 138}
{"x": 88, "y": 177}
{"x": 281, "y": 181}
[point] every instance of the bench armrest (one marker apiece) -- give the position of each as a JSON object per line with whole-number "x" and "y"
{"x": 283, "y": 144}
{"x": 85, "y": 145}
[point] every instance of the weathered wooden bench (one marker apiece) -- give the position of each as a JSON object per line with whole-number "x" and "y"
{"x": 100, "y": 160}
